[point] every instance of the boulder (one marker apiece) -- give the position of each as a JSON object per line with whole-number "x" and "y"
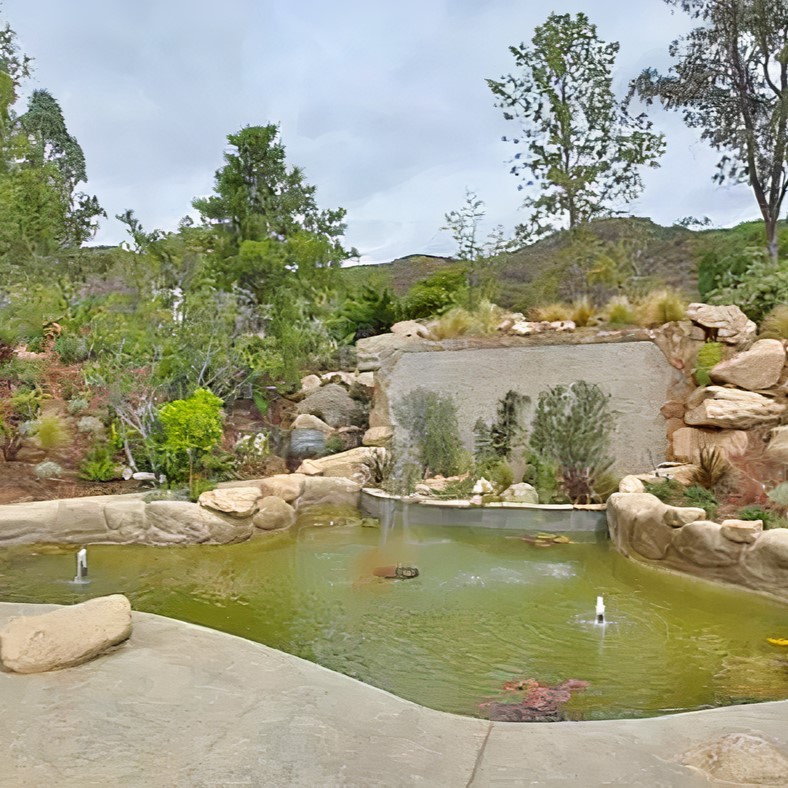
{"x": 310, "y": 383}
{"x": 333, "y": 405}
{"x": 767, "y": 560}
{"x": 759, "y": 367}
{"x": 735, "y": 409}
{"x": 742, "y": 531}
{"x": 365, "y": 380}
{"x": 374, "y": 352}
{"x": 378, "y": 436}
{"x": 341, "y": 377}
{"x": 274, "y": 514}
{"x": 125, "y": 520}
{"x": 727, "y": 323}
{"x": 777, "y": 450}
{"x": 738, "y": 759}
{"x": 328, "y": 491}
{"x": 235, "y": 501}
{"x": 354, "y": 464}
{"x": 306, "y": 421}
{"x": 643, "y": 523}
{"x": 688, "y": 441}
{"x": 631, "y": 484}
{"x": 702, "y": 543}
{"x": 673, "y": 409}
{"x": 410, "y": 329}
{"x": 66, "y": 636}
{"x": 520, "y": 493}
{"x": 288, "y": 486}
{"x": 182, "y": 522}
{"x": 306, "y": 443}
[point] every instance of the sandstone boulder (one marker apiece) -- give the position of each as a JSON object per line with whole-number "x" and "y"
{"x": 735, "y": 409}
{"x": 125, "y": 520}
{"x": 274, "y": 514}
{"x": 729, "y": 323}
{"x": 643, "y": 523}
{"x": 702, "y": 543}
{"x": 742, "y": 531}
{"x": 235, "y": 501}
{"x": 333, "y": 405}
{"x": 374, "y": 352}
{"x": 288, "y": 486}
{"x": 759, "y": 367}
{"x": 328, "y": 491}
{"x": 688, "y": 441}
{"x": 777, "y": 450}
{"x": 767, "y": 559}
{"x": 378, "y": 436}
{"x": 679, "y": 341}
{"x": 410, "y": 329}
{"x": 739, "y": 759}
{"x": 341, "y": 377}
{"x": 181, "y": 522}
{"x": 355, "y": 464}
{"x": 306, "y": 421}
{"x": 673, "y": 409}
{"x": 66, "y": 636}
{"x": 631, "y": 484}
{"x": 520, "y": 493}
{"x": 310, "y": 383}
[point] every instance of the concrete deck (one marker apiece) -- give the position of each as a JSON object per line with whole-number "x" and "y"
{"x": 180, "y": 705}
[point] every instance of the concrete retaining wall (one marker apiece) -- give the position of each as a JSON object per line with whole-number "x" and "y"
{"x": 635, "y": 374}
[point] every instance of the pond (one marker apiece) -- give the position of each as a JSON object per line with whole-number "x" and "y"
{"x": 486, "y": 609}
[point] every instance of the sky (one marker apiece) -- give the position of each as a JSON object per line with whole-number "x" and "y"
{"x": 384, "y": 105}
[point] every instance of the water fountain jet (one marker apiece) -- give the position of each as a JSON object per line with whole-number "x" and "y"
{"x": 82, "y": 566}
{"x": 600, "y": 610}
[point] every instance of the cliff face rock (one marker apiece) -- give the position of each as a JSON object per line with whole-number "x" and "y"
{"x": 758, "y": 368}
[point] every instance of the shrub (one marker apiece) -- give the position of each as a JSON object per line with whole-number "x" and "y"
{"x": 98, "y": 465}
{"x": 77, "y": 405}
{"x": 775, "y": 324}
{"x": 51, "y": 433}
{"x": 712, "y": 468}
{"x": 709, "y": 355}
{"x": 334, "y": 445}
{"x": 695, "y": 495}
{"x": 757, "y": 513}
{"x": 501, "y": 476}
{"x": 431, "y": 421}
{"x": 661, "y": 306}
{"x": 543, "y": 475}
{"x": 620, "y": 312}
{"x": 572, "y": 427}
{"x": 71, "y": 349}
{"x": 583, "y": 312}
{"x": 461, "y": 322}
{"x": 497, "y": 440}
{"x": 551, "y": 312}
{"x": 434, "y": 295}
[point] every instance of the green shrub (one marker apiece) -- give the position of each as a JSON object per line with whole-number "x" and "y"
{"x": 583, "y": 312}
{"x": 334, "y": 445}
{"x": 709, "y": 355}
{"x": 431, "y": 421}
{"x": 460, "y": 322}
{"x": 51, "y": 433}
{"x": 572, "y": 427}
{"x": 198, "y": 485}
{"x": 695, "y": 495}
{"x": 434, "y": 295}
{"x": 77, "y": 405}
{"x": 551, "y": 312}
{"x": 48, "y": 470}
{"x": 497, "y": 440}
{"x": 71, "y": 349}
{"x": 757, "y": 513}
{"x": 668, "y": 491}
{"x": 620, "y": 312}
{"x": 543, "y": 475}
{"x": 501, "y": 476}
{"x": 98, "y": 465}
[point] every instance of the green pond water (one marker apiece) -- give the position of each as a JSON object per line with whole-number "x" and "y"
{"x": 486, "y": 609}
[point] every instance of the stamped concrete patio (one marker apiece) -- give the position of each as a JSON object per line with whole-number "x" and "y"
{"x": 180, "y": 705}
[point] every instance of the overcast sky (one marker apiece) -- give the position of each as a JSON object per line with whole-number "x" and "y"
{"x": 384, "y": 105}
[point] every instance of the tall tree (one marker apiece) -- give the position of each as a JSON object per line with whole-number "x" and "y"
{"x": 731, "y": 82}
{"x": 579, "y": 147}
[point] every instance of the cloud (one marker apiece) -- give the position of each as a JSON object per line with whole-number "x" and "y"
{"x": 384, "y": 105}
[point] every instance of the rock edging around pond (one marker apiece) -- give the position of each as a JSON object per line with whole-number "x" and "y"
{"x": 681, "y": 538}
{"x": 229, "y": 514}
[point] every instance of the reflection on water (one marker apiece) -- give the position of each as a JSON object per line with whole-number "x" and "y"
{"x": 485, "y": 610}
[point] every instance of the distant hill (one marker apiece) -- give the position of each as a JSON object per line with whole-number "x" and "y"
{"x": 667, "y": 256}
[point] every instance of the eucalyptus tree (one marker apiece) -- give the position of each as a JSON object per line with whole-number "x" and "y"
{"x": 730, "y": 81}
{"x": 579, "y": 147}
